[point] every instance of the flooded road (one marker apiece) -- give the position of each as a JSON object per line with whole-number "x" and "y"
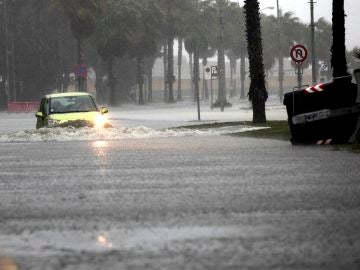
{"x": 180, "y": 202}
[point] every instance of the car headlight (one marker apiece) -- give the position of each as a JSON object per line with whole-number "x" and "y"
{"x": 100, "y": 120}
{"x": 53, "y": 123}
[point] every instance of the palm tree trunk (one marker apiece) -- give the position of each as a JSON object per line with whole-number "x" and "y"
{"x": 99, "y": 85}
{"x": 338, "y": 50}
{"x": 150, "y": 86}
{"x": 165, "y": 58}
{"x": 112, "y": 82}
{"x": 191, "y": 68}
{"x": 242, "y": 75}
{"x": 257, "y": 92}
{"x": 79, "y": 62}
{"x": 232, "y": 77}
{"x": 140, "y": 79}
{"x": 170, "y": 71}
{"x": 179, "y": 94}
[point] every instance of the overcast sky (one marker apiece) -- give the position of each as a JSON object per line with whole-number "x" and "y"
{"x": 323, "y": 8}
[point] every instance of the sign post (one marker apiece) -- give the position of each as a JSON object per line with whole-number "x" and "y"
{"x": 299, "y": 54}
{"x": 213, "y": 75}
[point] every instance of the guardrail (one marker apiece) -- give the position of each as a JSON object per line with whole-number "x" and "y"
{"x": 22, "y": 107}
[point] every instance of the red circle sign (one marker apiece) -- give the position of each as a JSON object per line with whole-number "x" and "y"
{"x": 298, "y": 53}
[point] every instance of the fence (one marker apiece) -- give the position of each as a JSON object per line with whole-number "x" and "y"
{"x": 22, "y": 107}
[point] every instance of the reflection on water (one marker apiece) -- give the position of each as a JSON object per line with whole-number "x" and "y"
{"x": 100, "y": 144}
{"x": 100, "y": 150}
{"x": 103, "y": 241}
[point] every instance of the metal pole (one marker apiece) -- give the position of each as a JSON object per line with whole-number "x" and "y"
{"x": 299, "y": 73}
{"x": 313, "y": 53}
{"x": 221, "y": 58}
{"x": 211, "y": 92}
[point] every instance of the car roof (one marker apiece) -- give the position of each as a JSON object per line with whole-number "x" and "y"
{"x": 67, "y": 94}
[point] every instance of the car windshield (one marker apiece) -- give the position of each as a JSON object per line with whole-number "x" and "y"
{"x": 72, "y": 104}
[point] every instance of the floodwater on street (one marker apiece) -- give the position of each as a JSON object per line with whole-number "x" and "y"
{"x": 178, "y": 202}
{"x": 142, "y": 195}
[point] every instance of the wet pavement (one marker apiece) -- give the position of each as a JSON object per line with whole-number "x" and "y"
{"x": 191, "y": 202}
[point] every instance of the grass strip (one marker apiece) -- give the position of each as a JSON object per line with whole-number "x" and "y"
{"x": 274, "y": 129}
{"x": 277, "y": 130}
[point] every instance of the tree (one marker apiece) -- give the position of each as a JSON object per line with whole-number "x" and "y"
{"x": 146, "y": 35}
{"x": 200, "y": 35}
{"x": 235, "y": 42}
{"x": 130, "y": 28}
{"x": 257, "y": 92}
{"x": 176, "y": 12}
{"x": 338, "y": 49}
{"x": 83, "y": 15}
{"x": 112, "y": 39}
{"x": 39, "y": 36}
{"x": 270, "y": 46}
{"x": 279, "y": 34}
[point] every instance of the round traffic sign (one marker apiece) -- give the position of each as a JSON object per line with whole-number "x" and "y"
{"x": 298, "y": 53}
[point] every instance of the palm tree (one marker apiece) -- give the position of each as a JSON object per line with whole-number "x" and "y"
{"x": 175, "y": 20}
{"x": 338, "y": 50}
{"x": 257, "y": 92}
{"x": 235, "y": 42}
{"x": 145, "y": 36}
{"x": 200, "y": 35}
{"x": 130, "y": 28}
{"x": 83, "y": 19}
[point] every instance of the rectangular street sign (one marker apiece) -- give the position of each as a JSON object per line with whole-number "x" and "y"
{"x": 214, "y": 72}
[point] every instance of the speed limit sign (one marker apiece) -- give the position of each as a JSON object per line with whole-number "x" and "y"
{"x": 298, "y": 53}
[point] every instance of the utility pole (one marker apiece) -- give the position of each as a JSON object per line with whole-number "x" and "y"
{"x": 221, "y": 58}
{"x": 313, "y": 53}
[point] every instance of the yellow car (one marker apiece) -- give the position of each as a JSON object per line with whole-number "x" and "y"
{"x": 75, "y": 109}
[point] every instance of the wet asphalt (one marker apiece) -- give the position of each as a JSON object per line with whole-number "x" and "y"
{"x": 216, "y": 202}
